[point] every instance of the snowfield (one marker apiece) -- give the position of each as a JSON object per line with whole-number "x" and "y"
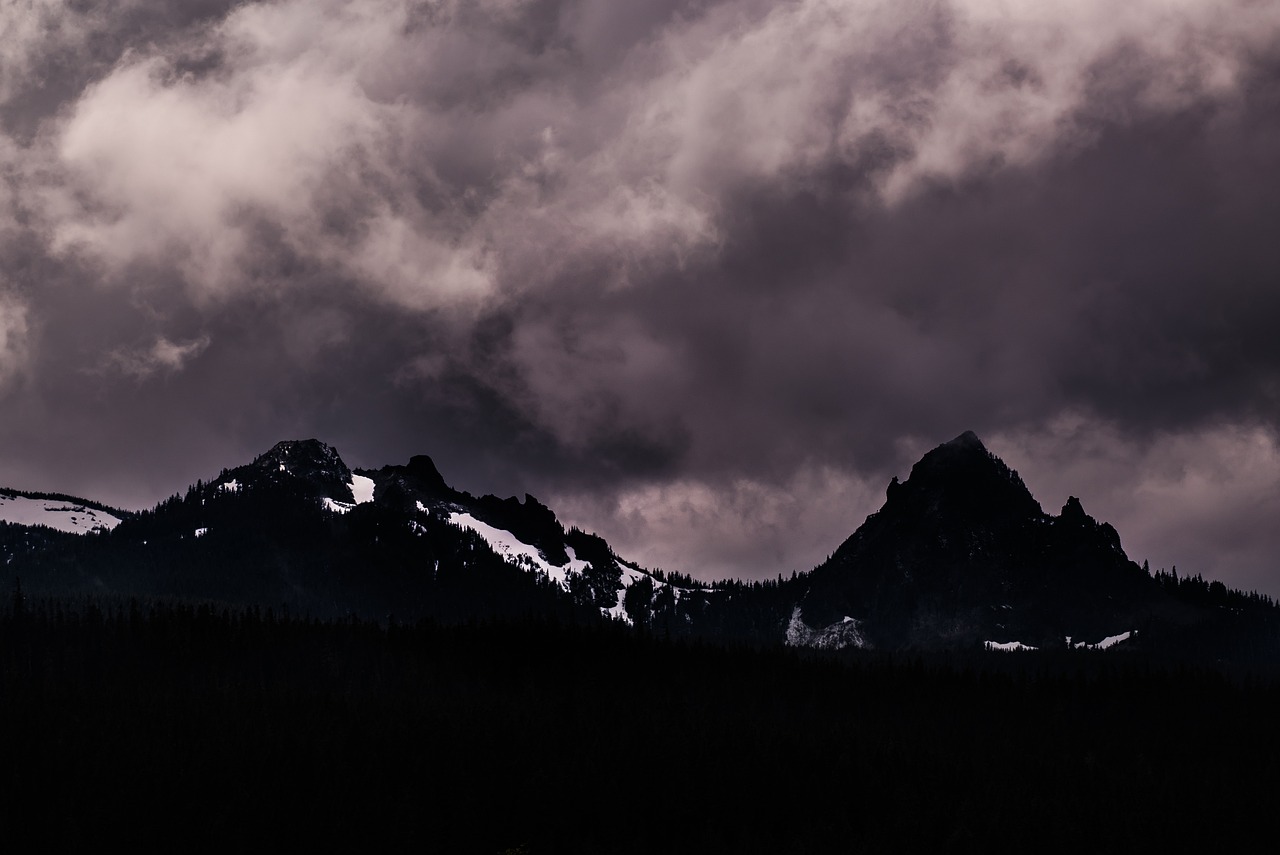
{"x": 516, "y": 551}
{"x": 1109, "y": 641}
{"x": 55, "y": 513}
{"x": 361, "y": 488}
{"x": 1007, "y": 646}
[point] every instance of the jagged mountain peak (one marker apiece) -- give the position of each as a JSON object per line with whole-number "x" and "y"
{"x": 962, "y": 479}
{"x": 411, "y": 485}
{"x": 968, "y": 439}
{"x": 961, "y": 456}
{"x": 1073, "y": 510}
{"x": 961, "y": 550}
{"x": 1073, "y": 516}
{"x": 301, "y": 453}
{"x": 310, "y": 461}
{"x": 424, "y": 470}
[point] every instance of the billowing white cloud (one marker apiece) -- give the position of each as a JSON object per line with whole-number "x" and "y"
{"x": 424, "y": 152}
{"x": 935, "y": 90}
{"x": 169, "y": 167}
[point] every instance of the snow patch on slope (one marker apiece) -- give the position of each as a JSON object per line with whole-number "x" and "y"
{"x": 55, "y": 513}
{"x": 517, "y": 552}
{"x": 1007, "y": 646}
{"x": 361, "y": 488}
{"x": 1112, "y": 640}
{"x": 630, "y": 575}
{"x": 1109, "y": 641}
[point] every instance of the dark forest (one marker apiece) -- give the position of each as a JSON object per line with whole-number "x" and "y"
{"x": 152, "y": 722}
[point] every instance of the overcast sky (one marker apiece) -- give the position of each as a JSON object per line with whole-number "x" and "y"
{"x": 700, "y": 275}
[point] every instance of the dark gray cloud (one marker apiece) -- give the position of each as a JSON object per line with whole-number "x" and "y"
{"x": 702, "y": 275}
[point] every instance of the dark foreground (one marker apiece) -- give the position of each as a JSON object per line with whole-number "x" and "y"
{"x": 168, "y": 725}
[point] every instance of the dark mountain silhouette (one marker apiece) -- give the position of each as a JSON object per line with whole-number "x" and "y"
{"x": 297, "y": 528}
{"x": 959, "y": 556}
{"x": 962, "y": 553}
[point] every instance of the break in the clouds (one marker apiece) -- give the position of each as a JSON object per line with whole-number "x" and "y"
{"x": 703, "y": 274}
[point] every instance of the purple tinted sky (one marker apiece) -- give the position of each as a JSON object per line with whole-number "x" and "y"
{"x": 701, "y": 275}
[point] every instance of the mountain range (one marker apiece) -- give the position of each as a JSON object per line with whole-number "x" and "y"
{"x": 960, "y": 556}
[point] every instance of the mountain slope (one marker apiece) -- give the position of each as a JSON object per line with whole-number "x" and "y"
{"x": 959, "y": 556}
{"x": 961, "y": 553}
{"x": 58, "y": 511}
{"x": 297, "y": 528}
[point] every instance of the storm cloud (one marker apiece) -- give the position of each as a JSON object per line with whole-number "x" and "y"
{"x": 701, "y": 275}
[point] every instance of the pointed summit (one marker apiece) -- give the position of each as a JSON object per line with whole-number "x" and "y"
{"x": 968, "y": 439}
{"x": 964, "y": 479}
{"x": 962, "y": 552}
{"x": 965, "y": 446}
